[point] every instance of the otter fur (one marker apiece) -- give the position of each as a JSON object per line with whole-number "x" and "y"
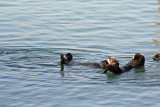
{"x": 111, "y": 64}
{"x": 156, "y": 57}
{"x": 67, "y": 60}
{"x": 137, "y": 61}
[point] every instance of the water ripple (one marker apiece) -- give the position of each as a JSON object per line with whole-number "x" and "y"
{"x": 34, "y": 33}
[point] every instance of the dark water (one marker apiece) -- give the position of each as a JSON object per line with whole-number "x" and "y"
{"x": 34, "y": 33}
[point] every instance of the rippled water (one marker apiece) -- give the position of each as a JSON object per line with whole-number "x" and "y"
{"x": 33, "y": 33}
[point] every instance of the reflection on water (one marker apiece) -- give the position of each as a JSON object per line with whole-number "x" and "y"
{"x": 158, "y": 30}
{"x": 158, "y": 23}
{"x": 156, "y": 40}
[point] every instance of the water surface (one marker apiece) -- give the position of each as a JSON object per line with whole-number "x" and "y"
{"x": 34, "y": 33}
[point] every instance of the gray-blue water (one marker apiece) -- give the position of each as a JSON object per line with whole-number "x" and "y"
{"x": 33, "y": 33}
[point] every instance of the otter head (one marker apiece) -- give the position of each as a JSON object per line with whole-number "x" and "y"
{"x": 139, "y": 57}
{"x": 112, "y": 61}
{"x": 156, "y": 57}
{"x": 69, "y": 57}
{"x": 113, "y": 66}
{"x": 103, "y": 64}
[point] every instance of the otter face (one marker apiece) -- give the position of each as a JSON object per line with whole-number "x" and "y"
{"x": 103, "y": 64}
{"x": 113, "y": 61}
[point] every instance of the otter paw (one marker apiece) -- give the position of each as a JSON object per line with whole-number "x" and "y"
{"x": 63, "y": 60}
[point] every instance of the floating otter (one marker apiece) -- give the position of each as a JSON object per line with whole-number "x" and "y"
{"x": 156, "y": 57}
{"x": 109, "y": 65}
{"x": 69, "y": 57}
{"x": 137, "y": 61}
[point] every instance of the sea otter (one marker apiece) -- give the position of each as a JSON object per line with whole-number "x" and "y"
{"x": 137, "y": 61}
{"x": 111, "y": 64}
{"x": 69, "y": 57}
{"x": 156, "y": 57}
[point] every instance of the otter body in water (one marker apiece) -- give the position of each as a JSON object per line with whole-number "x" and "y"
{"x": 137, "y": 61}
{"x": 156, "y": 57}
{"x": 69, "y": 57}
{"x": 111, "y": 64}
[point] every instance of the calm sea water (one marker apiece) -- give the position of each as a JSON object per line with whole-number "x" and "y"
{"x": 33, "y": 33}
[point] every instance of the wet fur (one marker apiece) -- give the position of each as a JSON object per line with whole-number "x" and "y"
{"x": 109, "y": 65}
{"x": 67, "y": 60}
{"x": 156, "y": 57}
{"x": 137, "y": 61}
